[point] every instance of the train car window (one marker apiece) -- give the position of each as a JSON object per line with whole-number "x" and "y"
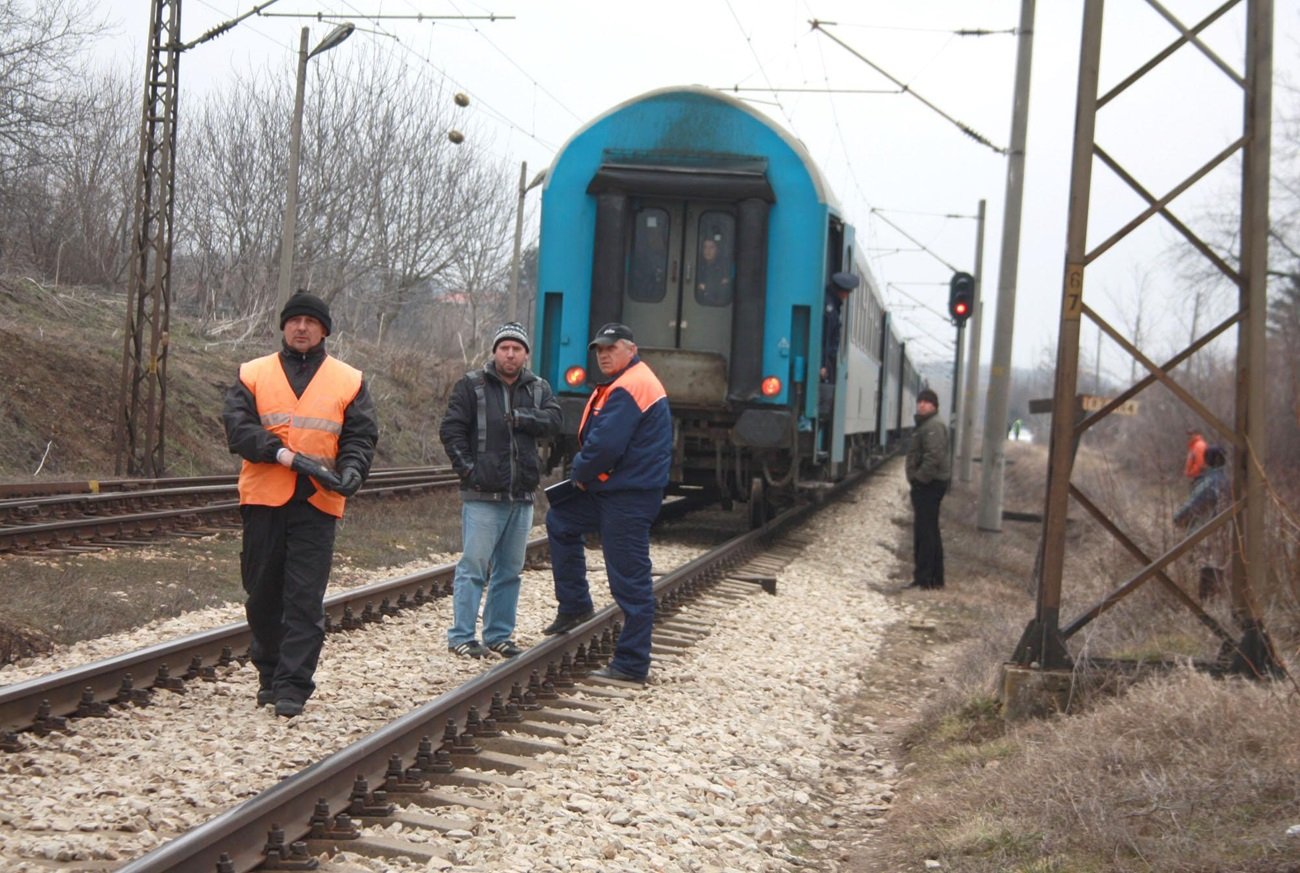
{"x": 715, "y": 259}
{"x": 647, "y": 279}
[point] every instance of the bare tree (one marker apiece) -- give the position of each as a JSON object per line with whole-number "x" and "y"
{"x": 39, "y": 50}
{"x": 232, "y": 184}
{"x": 92, "y": 177}
{"x": 392, "y": 219}
{"x": 42, "y": 100}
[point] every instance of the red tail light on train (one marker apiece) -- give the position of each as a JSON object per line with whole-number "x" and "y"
{"x": 771, "y": 386}
{"x": 575, "y": 376}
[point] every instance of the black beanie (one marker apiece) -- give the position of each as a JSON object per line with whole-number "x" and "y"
{"x": 927, "y": 394}
{"x": 303, "y": 303}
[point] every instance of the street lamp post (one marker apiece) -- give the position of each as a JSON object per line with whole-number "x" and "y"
{"x": 519, "y": 236}
{"x": 289, "y": 228}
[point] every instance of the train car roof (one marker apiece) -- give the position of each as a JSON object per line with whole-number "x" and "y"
{"x": 824, "y": 193}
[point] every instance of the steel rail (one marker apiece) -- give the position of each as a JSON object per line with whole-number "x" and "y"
{"x": 90, "y": 528}
{"x": 16, "y": 496}
{"x": 237, "y": 837}
{"x": 162, "y": 665}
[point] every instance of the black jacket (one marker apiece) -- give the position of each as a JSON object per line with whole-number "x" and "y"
{"x": 517, "y": 416}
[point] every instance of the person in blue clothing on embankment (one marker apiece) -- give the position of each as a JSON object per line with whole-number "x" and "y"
{"x": 625, "y": 446}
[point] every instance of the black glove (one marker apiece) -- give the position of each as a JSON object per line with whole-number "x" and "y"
{"x": 349, "y": 481}
{"x": 318, "y": 471}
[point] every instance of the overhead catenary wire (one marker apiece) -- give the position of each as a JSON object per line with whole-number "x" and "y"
{"x": 820, "y": 26}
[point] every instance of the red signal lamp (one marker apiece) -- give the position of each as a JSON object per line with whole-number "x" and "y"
{"x": 575, "y": 376}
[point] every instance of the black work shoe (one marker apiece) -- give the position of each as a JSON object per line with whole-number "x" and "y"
{"x": 612, "y": 672}
{"x": 506, "y": 648}
{"x": 472, "y": 649}
{"x": 265, "y": 696}
{"x": 286, "y": 708}
{"x": 565, "y": 622}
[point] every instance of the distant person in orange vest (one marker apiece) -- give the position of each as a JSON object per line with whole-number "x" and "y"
{"x": 1195, "y": 463}
{"x": 305, "y": 426}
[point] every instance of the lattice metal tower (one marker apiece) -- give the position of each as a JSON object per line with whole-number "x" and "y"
{"x": 1044, "y": 640}
{"x": 142, "y": 400}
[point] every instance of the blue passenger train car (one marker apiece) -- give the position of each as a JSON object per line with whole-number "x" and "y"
{"x": 707, "y": 229}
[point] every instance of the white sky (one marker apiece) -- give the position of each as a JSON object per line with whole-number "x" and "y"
{"x": 536, "y": 79}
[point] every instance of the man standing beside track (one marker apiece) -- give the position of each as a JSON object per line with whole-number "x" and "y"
{"x": 494, "y": 418}
{"x": 306, "y": 428}
{"x": 625, "y": 450}
{"x": 928, "y": 472}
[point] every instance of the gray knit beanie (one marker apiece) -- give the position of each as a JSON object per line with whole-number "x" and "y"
{"x": 512, "y": 330}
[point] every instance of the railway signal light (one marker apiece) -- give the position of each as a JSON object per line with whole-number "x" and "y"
{"x": 961, "y": 297}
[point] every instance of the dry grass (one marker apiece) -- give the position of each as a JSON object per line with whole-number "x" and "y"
{"x": 1183, "y": 773}
{"x": 1171, "y": 771}
{"x": 131, "y": 586}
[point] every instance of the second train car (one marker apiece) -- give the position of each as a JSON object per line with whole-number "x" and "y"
{"x": 709, "y": 231}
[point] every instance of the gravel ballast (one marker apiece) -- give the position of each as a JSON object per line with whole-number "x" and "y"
{"x": 730, "y": 759}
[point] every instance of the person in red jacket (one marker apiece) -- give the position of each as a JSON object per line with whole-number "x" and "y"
{"x": 1195, "y": 464}
{"x": 305, "y": 426}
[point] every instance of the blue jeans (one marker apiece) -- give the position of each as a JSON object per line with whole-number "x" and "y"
{"x": 623, "y": 519}
{"x": 495, "y": 534}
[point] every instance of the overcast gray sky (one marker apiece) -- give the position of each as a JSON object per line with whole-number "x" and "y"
{"x": 891, "y": 161}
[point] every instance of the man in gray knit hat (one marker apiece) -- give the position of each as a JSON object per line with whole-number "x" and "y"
{"x": 494, "y": 418}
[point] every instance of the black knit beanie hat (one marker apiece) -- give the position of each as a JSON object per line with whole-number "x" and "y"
{"x": 303, "y": 303}
{"x": 511, "y": 330}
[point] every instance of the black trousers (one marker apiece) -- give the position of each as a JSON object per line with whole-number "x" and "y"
{"x": 927, "y": 544}
{"x": 288, "y": 551}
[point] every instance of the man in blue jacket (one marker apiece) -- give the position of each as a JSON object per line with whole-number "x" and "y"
{"x": 625, "y": 447}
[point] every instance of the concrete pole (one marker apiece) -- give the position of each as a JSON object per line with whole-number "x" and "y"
{"x": 289, "y": 228}
{"x": 1250, "y": 557}
{"x": 973, "y": 362}
{"x": 995, "y": 410}
{"x": 954, "y": 417}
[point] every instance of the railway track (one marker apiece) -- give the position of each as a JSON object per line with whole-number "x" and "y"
{"x": 47, "y": 703}
{"x": 477, "y": 734}
{"x": 529, "y": 696}
{"x": 76, "y": 522}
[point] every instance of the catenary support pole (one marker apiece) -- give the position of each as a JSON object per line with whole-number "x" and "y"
{"x": 972, "y": 383}
{"x": 993, "y": 458}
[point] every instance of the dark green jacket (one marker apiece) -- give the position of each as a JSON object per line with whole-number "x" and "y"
{"x": 927, "y": 459}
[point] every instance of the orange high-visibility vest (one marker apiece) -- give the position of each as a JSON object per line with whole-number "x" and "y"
{"x": 310, "y": 424}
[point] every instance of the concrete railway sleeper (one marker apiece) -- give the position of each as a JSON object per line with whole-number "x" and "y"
{"x": 371, "y": 797}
